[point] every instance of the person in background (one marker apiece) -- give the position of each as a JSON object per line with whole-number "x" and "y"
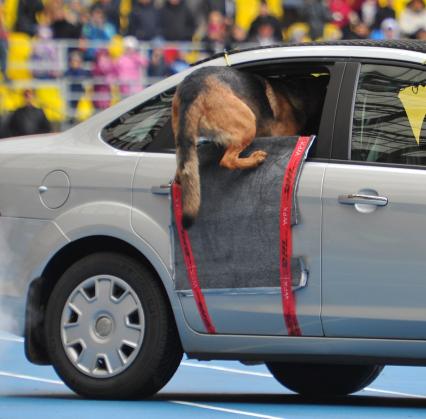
{"x": 144, "y": 20}
{"x": 97, "y": 30}
{"x": 390, "y": 29}
{"x": 413, "y": 18}
{"x": 3, "y": 43}
{"x": 28, "y": 119}
{"x": 105, "y": 74}
{"x": 63, "y": 27}
{"x": 237, "y": 36}
{"x": 341, "y": 13}
{"x": 215, "y": 39}
{"x": 265, "y": 20}
{"x": 199, "y": 10}
{"x": 129, "y": 68}
{"x": 76, "y": 12}
{"x": 111, "y": 9}
{"x": 227, "y": 8}
{"x": 368, "y": 12}
{"x": 264, "y": 35}
{"x": 176, "y": 21}
{"x": 76, "y": 76}
{"x": 27, "y": 16}
{"x": 45, "y": 56}
{"x": 157, "y": 66}
{"x": 175, "y": 60}
{"x": 316, "y": 14}
{"x": 420, "y": 34}
{"x": 357, "y": 30}
{"x": 385, "y": 12}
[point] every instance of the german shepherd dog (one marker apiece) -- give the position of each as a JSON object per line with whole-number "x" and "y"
{"x": 230, "y": 108}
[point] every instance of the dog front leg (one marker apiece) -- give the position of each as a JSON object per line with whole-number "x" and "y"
{"x": 232, "y": 160}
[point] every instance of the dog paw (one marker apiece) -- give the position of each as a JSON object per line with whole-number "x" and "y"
{"x": 259, "y": 156}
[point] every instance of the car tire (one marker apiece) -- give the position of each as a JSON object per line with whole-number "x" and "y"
{"x": 324, "y": 380}
{"x": 109, "y": 329}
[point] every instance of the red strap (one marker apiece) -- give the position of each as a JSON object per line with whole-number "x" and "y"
{"x": 286, "y": 248}
{"x": 188, "y": 256}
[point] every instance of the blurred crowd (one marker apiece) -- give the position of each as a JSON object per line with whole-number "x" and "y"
{"x": 113, "y": 48}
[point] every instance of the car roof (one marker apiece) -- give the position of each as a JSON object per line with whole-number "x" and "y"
{"x": 403, "y": 44}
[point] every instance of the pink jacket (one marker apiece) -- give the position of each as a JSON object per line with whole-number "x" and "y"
{"x": 129, "y": 69}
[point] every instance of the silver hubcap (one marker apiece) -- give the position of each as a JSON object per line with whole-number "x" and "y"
{"x": 102, "y": 326}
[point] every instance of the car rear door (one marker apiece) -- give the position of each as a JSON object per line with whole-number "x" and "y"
{"x": 243, "y": 311}
{"x": 260, "y": 310}
{"x": 374, "y": 206}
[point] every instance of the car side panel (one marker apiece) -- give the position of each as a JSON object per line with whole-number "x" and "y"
{"x": 25, "y": 245}
{"x": 95, "y": 172}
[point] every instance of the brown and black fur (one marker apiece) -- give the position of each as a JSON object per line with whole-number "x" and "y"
{"x": 230, "y": 108}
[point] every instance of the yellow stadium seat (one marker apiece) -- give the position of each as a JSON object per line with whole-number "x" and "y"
{"x": 115, "y": 94}
{"x": 10, "y": 98}
{"x": 298, "y": 32}
{"x": 125, "y": 9}
{"x": 18, "y": 57}
{"x": 50, "y": 99}
{"x": 192, "y": 56}
{"x": 331, "y": 32}
{"x": 248, "y": 10}
{"x": 10, "y": 8}
{"x": 85, "y": 108}
{"x": 398, "y": 5}
{"x": 116, "y": 47}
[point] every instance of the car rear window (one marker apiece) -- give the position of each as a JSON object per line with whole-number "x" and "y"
{"x": 145, "y": 128}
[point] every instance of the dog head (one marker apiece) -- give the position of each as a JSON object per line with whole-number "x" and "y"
{"x": 305, "y": 94}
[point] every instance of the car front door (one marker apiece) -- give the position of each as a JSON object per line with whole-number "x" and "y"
{"x": 374, "y": 207}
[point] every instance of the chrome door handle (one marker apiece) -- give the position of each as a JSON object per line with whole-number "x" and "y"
{"x": 352, "y": 199}
{"x": 42, "y": 189}
{"x": 161, "y": 190}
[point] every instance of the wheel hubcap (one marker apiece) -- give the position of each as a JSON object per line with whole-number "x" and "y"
{"x": 102, "y": 326}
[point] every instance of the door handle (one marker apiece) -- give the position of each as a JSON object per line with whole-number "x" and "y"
{"x": 353, "y": 199}
{"x": 161, "y": 190}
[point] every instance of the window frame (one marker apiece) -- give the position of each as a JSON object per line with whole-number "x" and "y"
{"x": 341, "y": 147}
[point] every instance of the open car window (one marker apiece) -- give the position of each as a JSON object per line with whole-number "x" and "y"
{"x": 148, "y": 126}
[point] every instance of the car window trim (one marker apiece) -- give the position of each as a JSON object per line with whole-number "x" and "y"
{"x": 377, "y": 164}
{"x": 342, "y": 134}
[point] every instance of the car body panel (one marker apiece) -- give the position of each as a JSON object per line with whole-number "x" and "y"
{"x": 100, "y": 202}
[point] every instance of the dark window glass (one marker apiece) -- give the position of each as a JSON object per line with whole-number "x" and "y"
{"x": 388, "y": 123}
{"x": 144, "y": 128}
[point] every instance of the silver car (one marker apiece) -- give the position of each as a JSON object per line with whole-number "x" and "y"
{"x": 86, "y": 255}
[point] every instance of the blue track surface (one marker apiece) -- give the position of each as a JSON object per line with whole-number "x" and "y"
{"x": 203, "y": 390}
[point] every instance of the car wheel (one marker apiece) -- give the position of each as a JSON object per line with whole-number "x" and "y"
{"x": 110, "y": 332}
{"x": 322, "y": 379}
